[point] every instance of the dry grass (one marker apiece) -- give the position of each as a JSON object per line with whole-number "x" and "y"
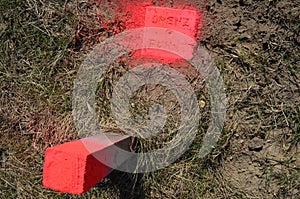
{"x": 256, "y": 50}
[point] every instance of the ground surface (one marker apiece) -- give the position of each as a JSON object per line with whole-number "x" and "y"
{"x": 255, "y": 45}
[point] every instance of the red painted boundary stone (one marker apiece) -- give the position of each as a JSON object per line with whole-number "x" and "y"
{"x": 72, "y": 168}
{"x": 184, "y": 21}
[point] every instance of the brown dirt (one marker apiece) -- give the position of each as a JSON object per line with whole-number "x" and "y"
{"x": 257, "y": 45}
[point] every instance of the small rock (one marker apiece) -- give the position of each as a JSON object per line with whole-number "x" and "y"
{"x": 202, "y": 103}
{"x": 241, "y": 141}
{"x": 256, "y": 144}
{"x": 236, "y": 21}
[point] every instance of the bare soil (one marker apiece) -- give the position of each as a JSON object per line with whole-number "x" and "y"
{"x": 257, "y": 45}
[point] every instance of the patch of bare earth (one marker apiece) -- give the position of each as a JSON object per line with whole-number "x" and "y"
{"x": 256, "y": 45}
